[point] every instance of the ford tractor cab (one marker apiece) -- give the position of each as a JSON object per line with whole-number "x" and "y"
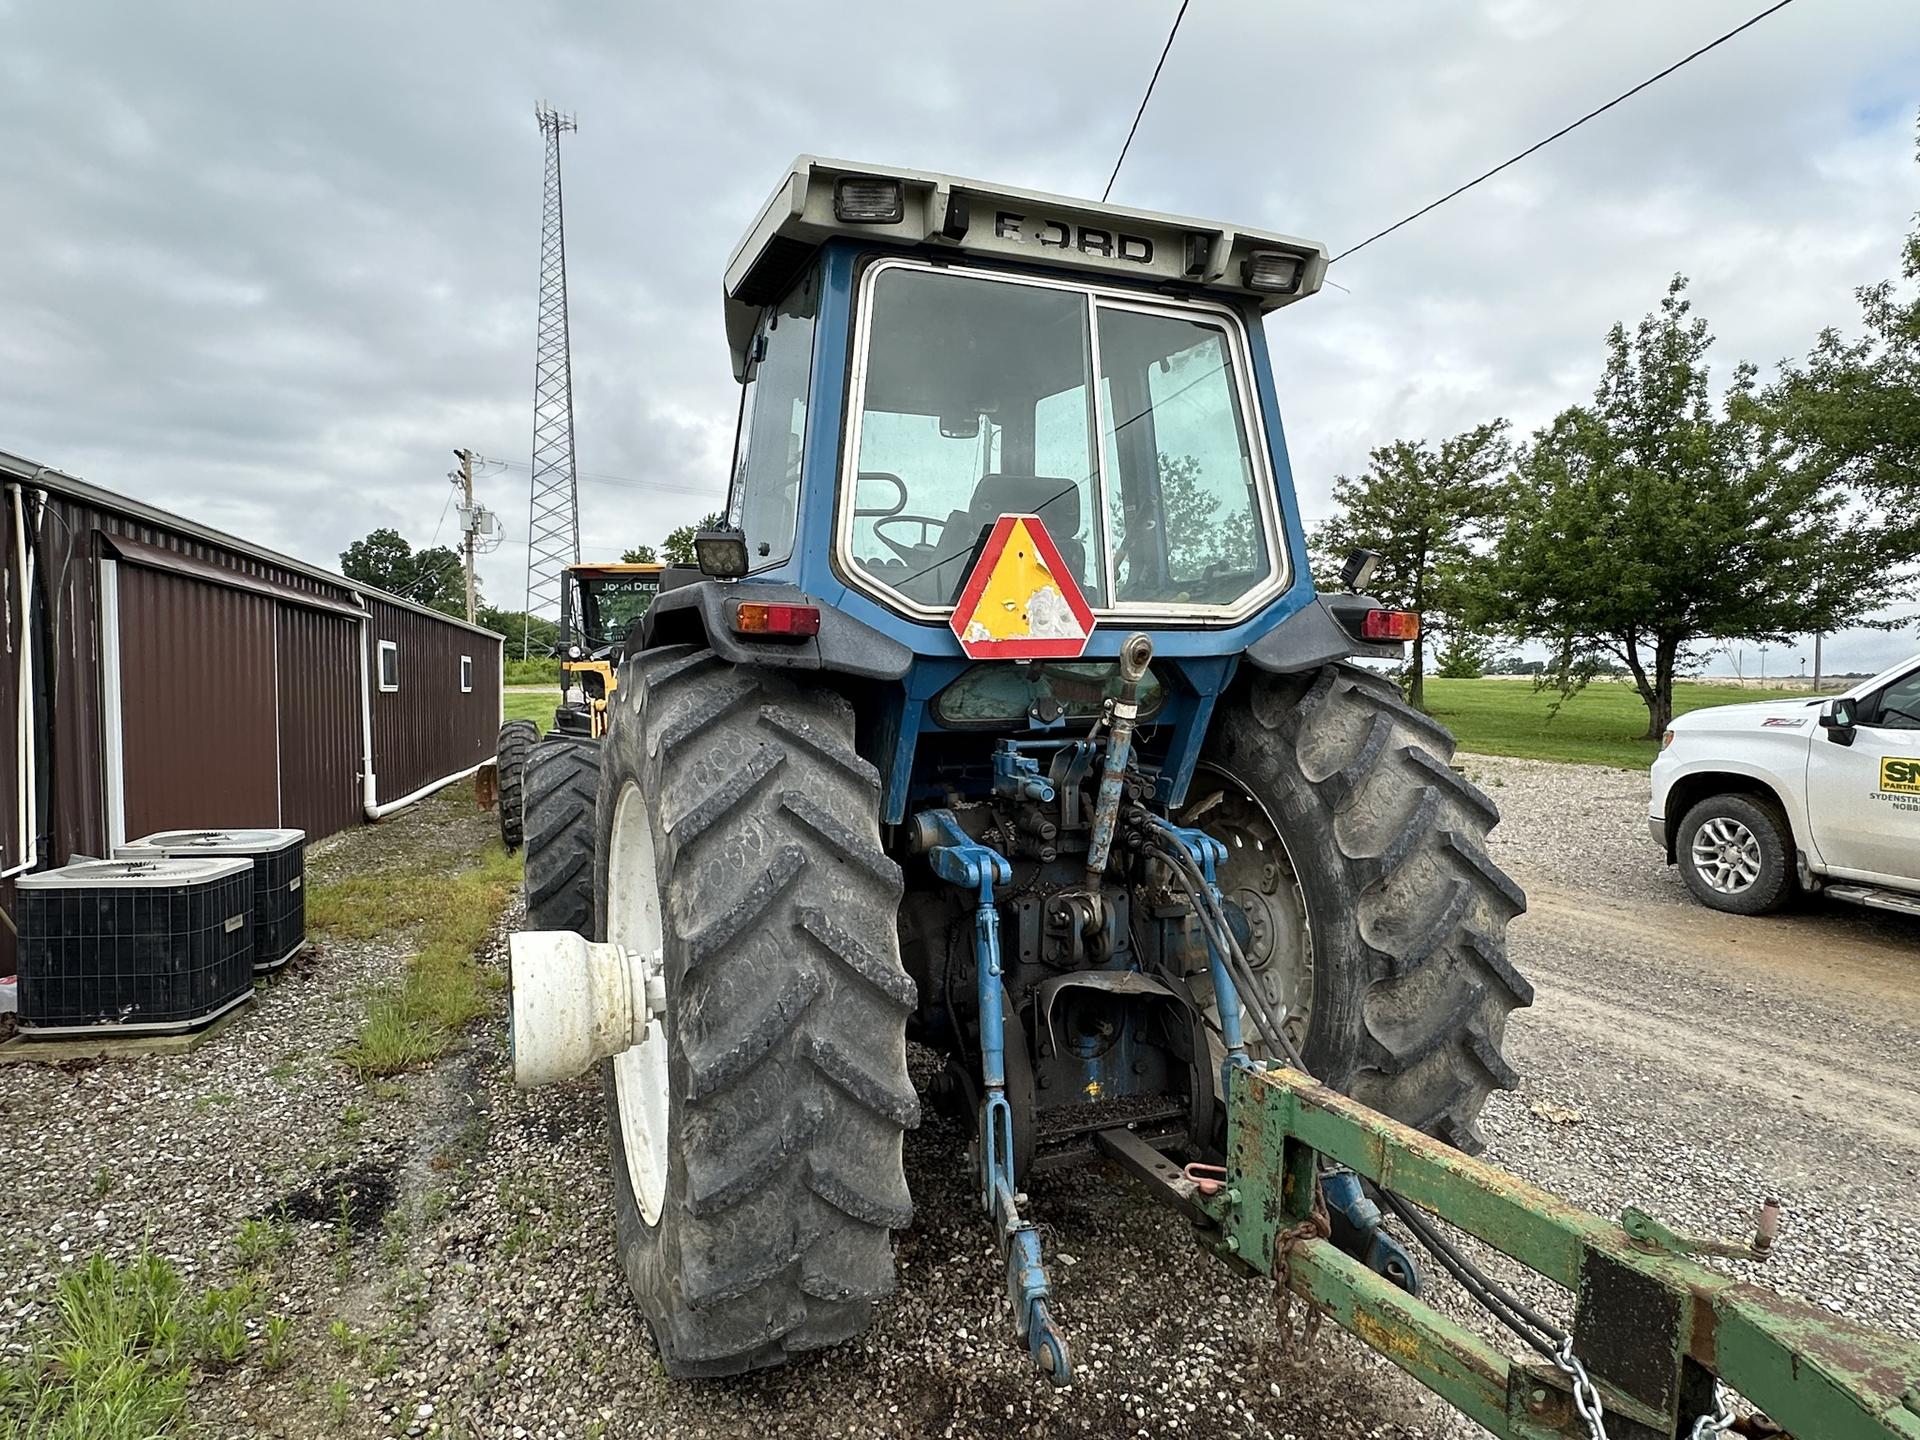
{"x": 1002, "y": 717}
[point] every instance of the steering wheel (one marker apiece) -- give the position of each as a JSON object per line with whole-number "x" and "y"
{"x": 900, "y": 547}
{"x": 899, "y": 486}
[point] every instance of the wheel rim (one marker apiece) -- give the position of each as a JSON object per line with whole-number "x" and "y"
{"x": 1260, "y": 877}
{"x": 1726, "y": 855}
{"x": 639, "y": 1074}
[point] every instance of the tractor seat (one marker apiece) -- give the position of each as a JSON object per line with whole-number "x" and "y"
{"x": 1054, "y": 498}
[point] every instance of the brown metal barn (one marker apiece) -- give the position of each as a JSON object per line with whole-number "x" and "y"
{"x": 160, "y": 675}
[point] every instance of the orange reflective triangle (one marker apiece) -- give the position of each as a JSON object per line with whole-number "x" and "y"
{"x": 1021, "y": 602}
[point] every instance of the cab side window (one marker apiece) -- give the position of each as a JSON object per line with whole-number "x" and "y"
{"x": 1897, "y": 707}
{"x": 765, "y": 502}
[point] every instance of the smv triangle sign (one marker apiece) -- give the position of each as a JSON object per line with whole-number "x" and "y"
{"x": 1021, "y": 602}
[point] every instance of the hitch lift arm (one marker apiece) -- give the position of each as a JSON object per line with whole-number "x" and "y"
{"x": 1654, "y": 1328}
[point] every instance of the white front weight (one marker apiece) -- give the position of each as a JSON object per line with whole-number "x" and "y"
{"x": 576, "y": 1002}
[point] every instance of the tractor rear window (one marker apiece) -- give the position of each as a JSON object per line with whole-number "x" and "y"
{"x": 976, "y": 400}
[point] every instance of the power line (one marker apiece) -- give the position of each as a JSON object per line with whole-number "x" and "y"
{"x": 1178, "y": 17}
{"x": 1564, "y": 130}
{"x": 630, "y": 481}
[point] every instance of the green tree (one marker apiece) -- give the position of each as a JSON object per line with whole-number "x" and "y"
{"x": 1652, "y": 519}
{"x": 1853, "y": 407}
{"x": 677, "y": 548}
{"x": 382, "y": 559}
{"x": 638, "y": 555}
{"x": 1467, "y": 655}
{"x": 541, "y": 637}
{"x": 434, "y": 577}
{"x": 1421, "y": 509}
{"x": 440, "y": 581}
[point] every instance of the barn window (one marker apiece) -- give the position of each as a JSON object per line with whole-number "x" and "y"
{"x": 389, "y": 665}
{"x": 466, "y": 674}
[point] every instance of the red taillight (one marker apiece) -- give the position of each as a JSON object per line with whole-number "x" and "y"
{"x": 753, "y": 617}
{"x": 1390, "y": 625}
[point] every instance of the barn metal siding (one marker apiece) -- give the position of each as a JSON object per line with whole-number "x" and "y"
{"x": 319, "y": 707}
{"x": 197, "y": 698}
{"x": 427, "y": 730}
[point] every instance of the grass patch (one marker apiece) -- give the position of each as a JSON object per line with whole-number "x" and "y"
{"x": 1602, "y": 725}
{"x": 534, "y": 671}
{"x": 527, "y": 705}
{"x": 121, "y": 1352}
{"x": 448, "y": 916}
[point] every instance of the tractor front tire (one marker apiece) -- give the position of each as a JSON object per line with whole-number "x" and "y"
{"x": 516, "y": 738}
{"x": 756, "y": 1132}
{"x": 562, "y": 786}
{"x": 1406, "y": 915}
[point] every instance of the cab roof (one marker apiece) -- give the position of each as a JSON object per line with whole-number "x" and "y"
{"x": 588, "y": 569}
{"x": 819, "y": 200}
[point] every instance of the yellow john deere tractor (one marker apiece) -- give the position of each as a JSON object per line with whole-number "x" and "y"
{"x": 597, "y": 605}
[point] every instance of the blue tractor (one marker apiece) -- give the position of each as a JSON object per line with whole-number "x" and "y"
{"x": 1003, "y": 717}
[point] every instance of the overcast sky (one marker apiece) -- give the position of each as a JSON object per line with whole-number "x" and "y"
{"x": 268, "y": 265}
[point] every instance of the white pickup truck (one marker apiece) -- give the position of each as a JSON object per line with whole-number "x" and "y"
{"x": 1757, "y": 802}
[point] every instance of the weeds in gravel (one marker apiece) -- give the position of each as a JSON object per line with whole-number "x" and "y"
{"x": 259, "y": 1241}
{"x": 103, "y": 1183}
{"x": 119, "y": 1357}
{"x": 221, "y": 1331}
{"x": 340, "y": 1401}
{"x": 445, "y": 988}
{"x": 279, "y": 1342}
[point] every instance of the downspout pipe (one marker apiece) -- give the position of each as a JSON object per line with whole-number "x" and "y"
{"x": 380, "y": 812}
{"x": 369, "y": 784}
{"x": 26, "y": 738}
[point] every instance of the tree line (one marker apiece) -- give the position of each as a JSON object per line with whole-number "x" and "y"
{"x": 436, "y": 578}
{"x": 1660, "y": 517}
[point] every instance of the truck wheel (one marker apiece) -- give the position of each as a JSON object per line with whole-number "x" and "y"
{"x": 510, "y": 754}
{"x": 1736, "y": 854}
{"x": 756, "y": 1134}
{"x": 1373, "y": 912}
{"x": 562, "y": 784}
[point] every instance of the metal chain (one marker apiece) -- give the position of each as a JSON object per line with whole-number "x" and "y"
{"x": 1717, "y": 1421}
{"x": 1586, "y": 1399}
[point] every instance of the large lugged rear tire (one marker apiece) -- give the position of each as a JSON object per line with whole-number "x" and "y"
{"x": 510, "y": 755}
{"x": 1406, "y": 914}
{"x": 739, "y": 831}
{"x": 562, "y": 786}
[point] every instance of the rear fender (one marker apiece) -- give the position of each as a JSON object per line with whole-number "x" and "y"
{"x": 702, "y": 613}
{"x": 1319, "y": 633}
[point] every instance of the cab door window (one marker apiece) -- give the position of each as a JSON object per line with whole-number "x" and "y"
{"x": 1897, "y": 707}
{"x": 765, "y": 498}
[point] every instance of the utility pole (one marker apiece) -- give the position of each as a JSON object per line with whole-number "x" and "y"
{"x": 467, "y": 528}
{"x": 477, "y": 523}
{"x": 1816, "y": 664}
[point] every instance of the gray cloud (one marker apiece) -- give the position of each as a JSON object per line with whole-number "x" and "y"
{"x": 269, "y": 265}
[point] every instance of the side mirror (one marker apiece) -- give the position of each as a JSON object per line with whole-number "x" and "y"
{"x": 1838, "y": 719}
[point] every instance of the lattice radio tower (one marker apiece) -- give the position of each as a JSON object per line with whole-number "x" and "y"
{"x": 553, "y": 519}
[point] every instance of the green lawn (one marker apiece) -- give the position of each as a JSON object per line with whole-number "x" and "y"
{"x": 534, "y": 705}
{"x": 1599, "y": 726}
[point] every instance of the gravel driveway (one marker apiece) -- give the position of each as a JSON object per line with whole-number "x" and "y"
{"x": 449, "y": 1266}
